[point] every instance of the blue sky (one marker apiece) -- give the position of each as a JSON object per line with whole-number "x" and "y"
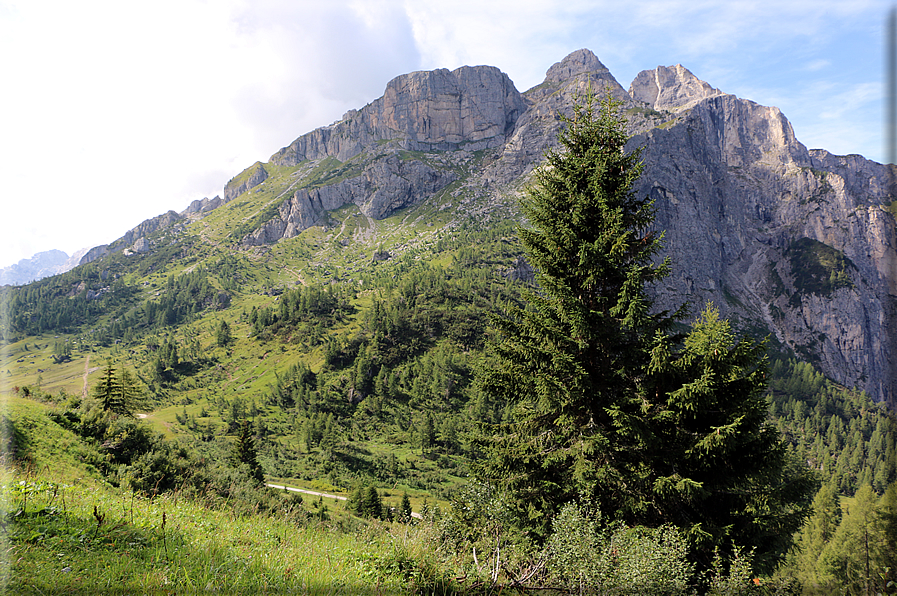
{"x": 113, "y": 112}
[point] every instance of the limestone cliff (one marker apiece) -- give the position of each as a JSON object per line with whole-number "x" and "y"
{"x": 422, "y": 111}
{"x": 795, "y": 242}
{"x": 799, "y": 242}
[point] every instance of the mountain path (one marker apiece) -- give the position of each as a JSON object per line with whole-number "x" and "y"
{"x": 87, "y": 370}
{"x": 317, "y": 494}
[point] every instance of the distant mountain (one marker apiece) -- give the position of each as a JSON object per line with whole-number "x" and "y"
{"x": 795, "y": 243}
{"x": 42, "y": 264}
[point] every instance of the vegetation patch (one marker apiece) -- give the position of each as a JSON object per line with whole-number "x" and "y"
{"x": 819, "y": 268}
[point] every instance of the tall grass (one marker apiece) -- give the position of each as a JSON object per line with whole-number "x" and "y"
{"x": 82, "y": 538}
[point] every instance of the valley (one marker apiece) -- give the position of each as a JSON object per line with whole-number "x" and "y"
{"x": 340, "y": 302}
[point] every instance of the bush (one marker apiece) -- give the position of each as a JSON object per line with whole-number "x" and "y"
{"x": 584, "y": 557}
{"x": 159, "y": 469}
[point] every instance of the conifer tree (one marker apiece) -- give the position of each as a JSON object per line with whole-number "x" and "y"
{"x": 117, "y": 393}
{"x": 569, "y": 362}
{"x": 245, "y": 452}
{"x": 607, "y": 404}
{"x": 715, "y": 466}
{"x": 222, "y": 335}
{"x": 404, "y": 513}
{"x": 817, "y": 533}
{"x": 373, "y": 505}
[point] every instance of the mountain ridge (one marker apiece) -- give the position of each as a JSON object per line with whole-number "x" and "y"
{"x": 754, "y": 220}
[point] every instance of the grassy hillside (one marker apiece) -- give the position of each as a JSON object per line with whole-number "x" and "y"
{"x": 72, "y": 532}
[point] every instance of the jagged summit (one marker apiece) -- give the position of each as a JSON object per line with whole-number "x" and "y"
{"x": 578, "y": 62}
{"x": 672, "y": 88}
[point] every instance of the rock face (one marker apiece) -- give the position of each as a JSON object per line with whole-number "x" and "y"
{"x": 738, "y": 195}
{"x": 467, "y": 109}
{"x": 249, "y": 178}
{"x": 672, "y": 88}
{"x": 40, "y": 265}
{"x": 387, "y": 184}
{"x": 130, "y": 240}
{"x": 203, "y": 206}
{"x": 796, "y": 242}
{"x": 422, "y": 111}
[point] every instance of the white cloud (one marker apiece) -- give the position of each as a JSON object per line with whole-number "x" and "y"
{"x": 817, "y": 65}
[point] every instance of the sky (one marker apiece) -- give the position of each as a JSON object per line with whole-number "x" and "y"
{"x": 113, "y": 112}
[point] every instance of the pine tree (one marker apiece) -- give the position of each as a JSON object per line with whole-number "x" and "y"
{"x": 223, "y": 335}
{"x": 245, "y": 452}
{"x": 373, "y": 505}
{"x": 716, "y": 467}
{"x": 117, "y": 393}
{"x": 570, "y": 361}
{"x": 404, "y": 513}
{"x": 108, "y": 390}
{"x": 854, "y": 554}
{"x": 817, "y": 533}
{"x": 607, "y": 404}
{"x": 356, "y": 500}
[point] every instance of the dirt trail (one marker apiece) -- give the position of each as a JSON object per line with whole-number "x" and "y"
{"x": 317, "y": 494}
{"x": 87, "y": 370}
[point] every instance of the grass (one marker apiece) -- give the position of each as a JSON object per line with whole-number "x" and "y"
{"x": 69, "y": 539}
{"x": 66, "y": 531}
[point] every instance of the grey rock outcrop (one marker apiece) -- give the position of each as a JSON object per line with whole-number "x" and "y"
{"x": 245, "y": 180}
{"x": 97, "y": 252}
{"x": 672, "y": 88}
{"x": 202, "y": 206}
{"x": 421, "y": 111}
{"x": 148, "y": 227}
{"x": 141, "y": 245}
{"x": 387, "y": 184}
{"x": 142, "y": 231}
{"x": 735, "y": 192}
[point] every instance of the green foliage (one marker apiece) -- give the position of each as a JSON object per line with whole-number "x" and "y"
{"x": 818, "y": 268}
{"x": 607, "y": 405}
{"x": 849, "y": 439}
{"x": 569, "y": 362}
{"x": 403, "y": 514}
{"x": 223, "y": 335}
{"x": 65, "y": 302}
{"x": 585, "y": 557}
{"x": 719, "y": 471}
{"x": 62, "y": 352}
{"x": 245, "y": 453}
{"x": 118, "y": 394}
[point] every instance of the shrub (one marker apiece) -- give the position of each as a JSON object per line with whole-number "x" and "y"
{"x": 584, "y": 557}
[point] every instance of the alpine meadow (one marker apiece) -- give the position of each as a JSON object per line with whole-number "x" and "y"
{"x": 468, "y": 340}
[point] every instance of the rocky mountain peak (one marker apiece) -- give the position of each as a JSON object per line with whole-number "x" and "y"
{"x": 444, "y": 108}
{"x": 800, "y": 243}
{"x": 579, "y": 62}
{"x": 672, "y": 88}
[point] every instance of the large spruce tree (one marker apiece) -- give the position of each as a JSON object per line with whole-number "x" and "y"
{"x": 606, "y": 403}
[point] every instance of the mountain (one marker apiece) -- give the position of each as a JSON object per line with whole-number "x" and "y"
{"x": 38, "y": 266}
{"x": 795, "y": 243}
